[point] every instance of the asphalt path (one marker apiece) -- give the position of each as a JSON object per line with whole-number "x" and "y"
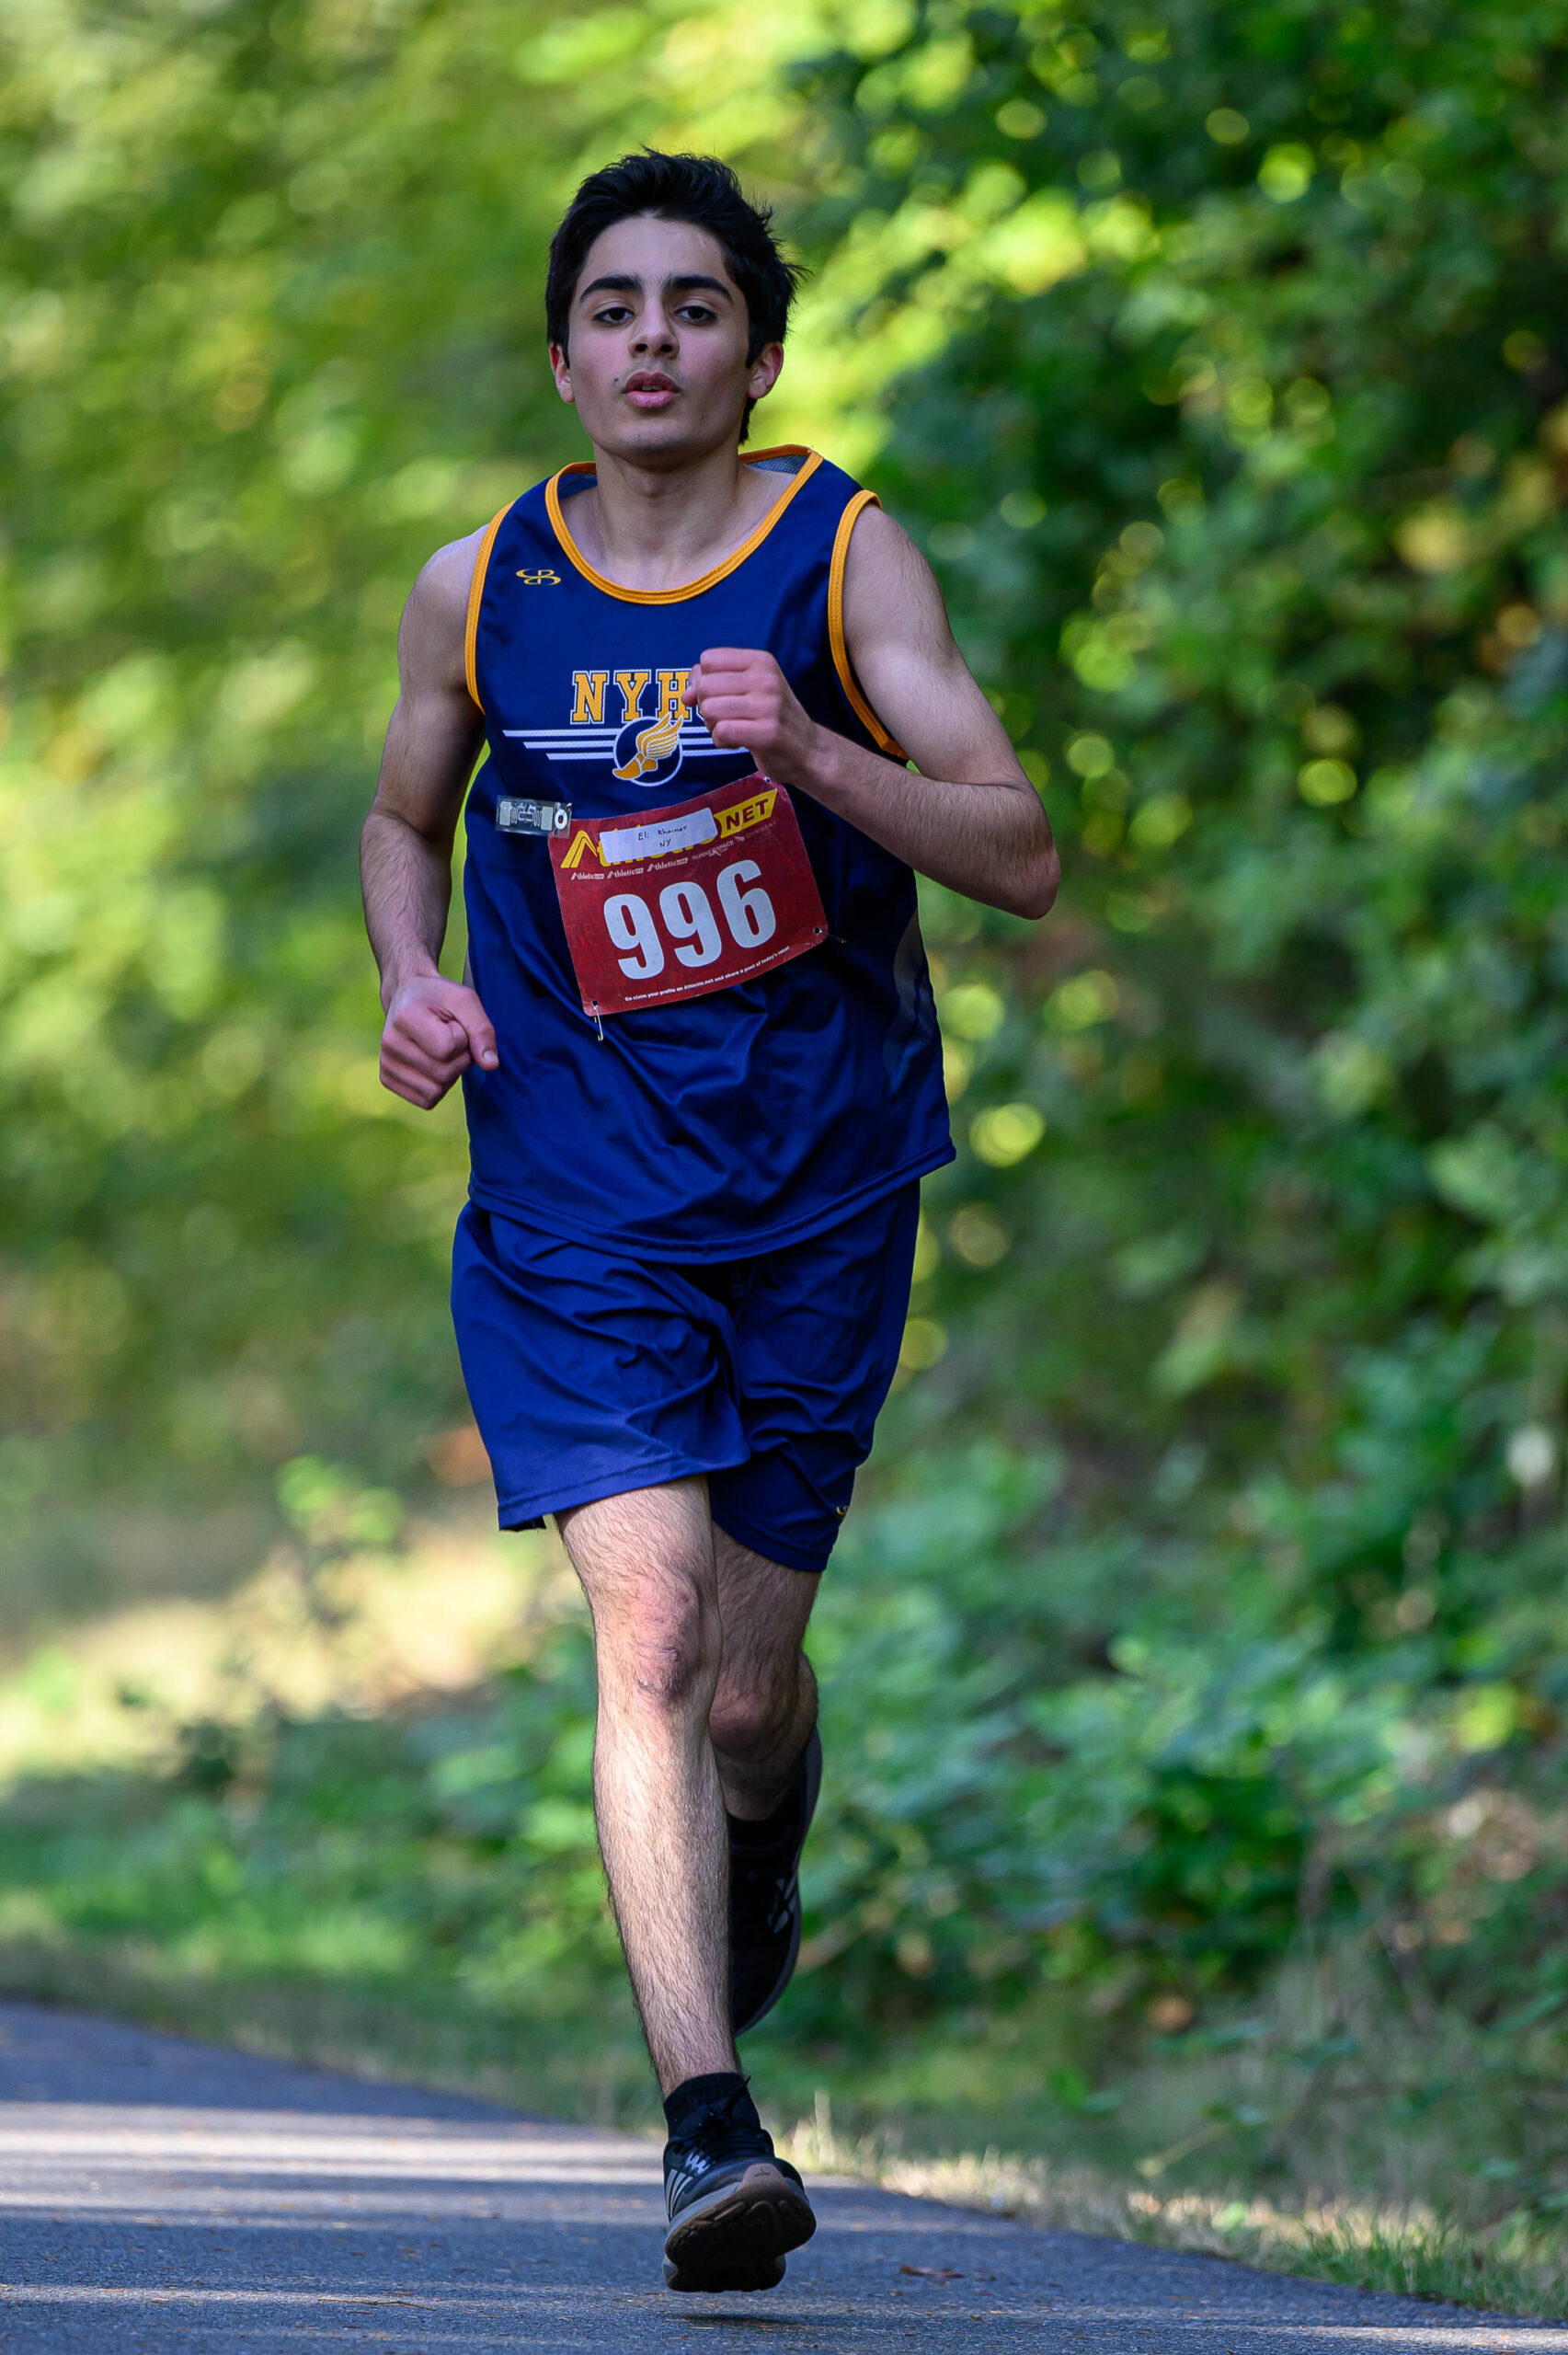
{"x": 160, "y": 2194}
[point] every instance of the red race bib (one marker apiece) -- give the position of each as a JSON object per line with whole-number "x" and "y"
{"x": 686, "y": 899}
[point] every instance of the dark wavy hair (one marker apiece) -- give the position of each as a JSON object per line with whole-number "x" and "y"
{"x": 698, "y": 189}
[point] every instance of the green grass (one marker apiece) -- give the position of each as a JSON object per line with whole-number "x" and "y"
{"x": 1511, "y": 2269}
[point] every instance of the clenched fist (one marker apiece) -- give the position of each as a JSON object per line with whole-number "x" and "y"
{"x": 435, "y": 1031}
{"x": 746, "y": 703}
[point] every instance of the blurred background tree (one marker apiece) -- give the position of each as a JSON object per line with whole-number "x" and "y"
{"x": 272, "y": 287}
{"x": 1203, "y": 1622}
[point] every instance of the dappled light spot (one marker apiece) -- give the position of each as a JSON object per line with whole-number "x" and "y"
{"x": 1004, "y": 1133}
{"x": 1326, "y": 783}
{"x": 925, "y": 1344}
{"x": 977, "y": 1235}
{"x": 972, "y": 1010}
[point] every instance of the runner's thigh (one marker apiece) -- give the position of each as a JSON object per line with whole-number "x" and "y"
{"x": 765, "y": 1607}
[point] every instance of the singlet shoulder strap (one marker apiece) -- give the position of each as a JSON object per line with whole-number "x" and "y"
{"x": 842, "y": 664}
{"x": 476, "y": 596}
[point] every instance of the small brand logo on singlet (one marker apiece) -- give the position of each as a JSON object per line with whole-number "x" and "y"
{"x": 634, "y": 722}
{"x": 532, "y": 579}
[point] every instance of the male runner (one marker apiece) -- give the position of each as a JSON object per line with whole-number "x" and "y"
{"x": 701, "y": 1070}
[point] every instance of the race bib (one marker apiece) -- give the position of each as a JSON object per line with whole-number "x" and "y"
{"x": 687, "y": 900}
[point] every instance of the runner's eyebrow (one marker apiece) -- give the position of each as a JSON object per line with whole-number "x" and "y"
{"x": 621, "y": 282}
{"x": 693, "y": 279}
{"x": 626, "y": 282}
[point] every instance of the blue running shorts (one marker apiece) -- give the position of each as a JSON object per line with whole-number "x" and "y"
{"x": 591, "y": 1373}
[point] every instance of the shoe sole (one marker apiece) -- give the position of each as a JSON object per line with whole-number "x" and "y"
{"x": 813, "y": 1792}
{"x": 737, "y": 2238}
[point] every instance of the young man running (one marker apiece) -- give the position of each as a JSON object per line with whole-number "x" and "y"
{"x": 701, "y": 1070}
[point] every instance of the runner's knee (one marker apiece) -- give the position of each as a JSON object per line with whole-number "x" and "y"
{"x": 659, "y": 1645}
{"x": 751, "y": 1716}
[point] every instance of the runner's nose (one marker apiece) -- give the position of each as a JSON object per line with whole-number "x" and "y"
{"x": 654, "y": 332}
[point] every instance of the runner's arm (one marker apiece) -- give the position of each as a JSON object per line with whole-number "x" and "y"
{"x": 435, "y": 1028}
{"x": 970, "y": 818}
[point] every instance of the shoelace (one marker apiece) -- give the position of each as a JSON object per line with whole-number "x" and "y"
{"x": 715, "y": 2135}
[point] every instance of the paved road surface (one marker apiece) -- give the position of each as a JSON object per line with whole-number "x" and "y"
{"x": 161, "y": 2195}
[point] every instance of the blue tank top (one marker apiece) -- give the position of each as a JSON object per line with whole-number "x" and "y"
{"x": 722, "y": 1125}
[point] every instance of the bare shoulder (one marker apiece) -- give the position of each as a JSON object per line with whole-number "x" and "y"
{"x": 878, "y": 545}
{"x": 442, "y": 590}
{"x": 888, "y": 585}
{"x": 435, "y": 619}
{"x": 900, "y": 643}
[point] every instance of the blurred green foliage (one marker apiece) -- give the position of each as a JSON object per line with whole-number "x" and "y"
{"x": 1205, "y": 1610}
{"x": 1253, "y": 515}
{"x": 271, "y": 285}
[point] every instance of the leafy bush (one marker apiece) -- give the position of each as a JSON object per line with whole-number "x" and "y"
{"x": 1242, "y": 455}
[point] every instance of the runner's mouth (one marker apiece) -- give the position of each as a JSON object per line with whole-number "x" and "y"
{"x": 649, "y": 390}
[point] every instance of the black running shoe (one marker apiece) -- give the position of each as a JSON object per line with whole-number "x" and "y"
{"x": 734, "y": 2208}
{"x": 764, "y": 1904}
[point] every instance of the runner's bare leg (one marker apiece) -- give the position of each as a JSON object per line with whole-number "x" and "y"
{"x": 765, "y": 1704}
{"x": 645, "y": 1560}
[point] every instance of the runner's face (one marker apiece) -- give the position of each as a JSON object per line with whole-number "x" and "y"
{"x": 658, "y": 328}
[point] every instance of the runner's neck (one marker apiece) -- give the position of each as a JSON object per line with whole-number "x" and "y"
{"x": 650, "y": 529}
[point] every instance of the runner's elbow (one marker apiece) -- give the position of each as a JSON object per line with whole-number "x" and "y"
{"x": 1035, "y": 887}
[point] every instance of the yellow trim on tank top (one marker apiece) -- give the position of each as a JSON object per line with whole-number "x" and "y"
{"x": 720, "y": 571}
{"x": 476, "y": 596}
{"x": 842, "y": 665}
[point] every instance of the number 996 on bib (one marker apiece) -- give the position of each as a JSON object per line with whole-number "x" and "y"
{"x": 679, "y": 901}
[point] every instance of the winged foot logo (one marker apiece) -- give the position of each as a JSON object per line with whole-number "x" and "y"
{"x": 648, "y": 754}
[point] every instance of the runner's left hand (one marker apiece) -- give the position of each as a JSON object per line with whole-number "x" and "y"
{"x": 746, "y": 703}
